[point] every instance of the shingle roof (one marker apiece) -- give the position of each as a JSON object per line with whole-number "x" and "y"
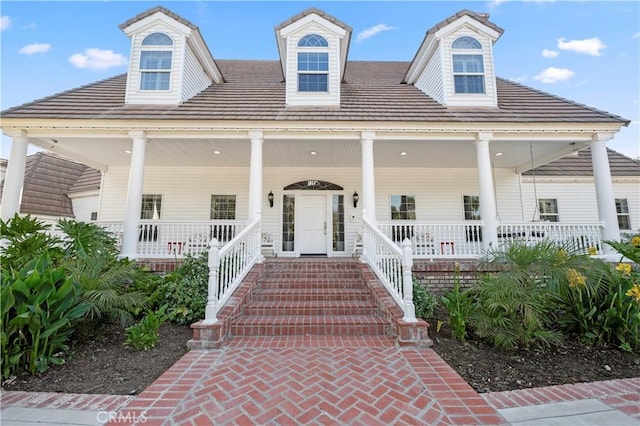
{"x": 480, "y": 17}
{"x": 89, "y": 180}
{"x": 372, "y": 91}
{"x": 579, "y": 164}
{"x": 318, "y": 12}
{"x": 153, "y": 10}
{"x": 48, "y": 178}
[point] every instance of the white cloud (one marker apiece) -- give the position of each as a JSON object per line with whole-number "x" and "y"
{"x": 5, "y": 23}
{"x": 520, "y": 79}
{"x": 546, "y": 53}
{"x": 370, "y": 32}
{"x": 636, "y": 35}
{"x": 553, "y": 75}
{"x": 589, "y": 46}
{"x": 97, "y": 59}
{"x": 31, "y": 49}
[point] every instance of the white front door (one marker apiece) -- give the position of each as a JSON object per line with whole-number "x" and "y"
{"x": 313, "y": 224}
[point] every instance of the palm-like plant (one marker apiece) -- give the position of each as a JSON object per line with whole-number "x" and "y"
{"x": 25, "y": 239}
{"x": 515, "y": 307}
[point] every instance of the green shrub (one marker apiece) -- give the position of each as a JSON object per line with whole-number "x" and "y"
{"x": 513, "y": 308}
{"x": 185, "y": 290}
{"x": 39, "y": 309}
{"x": 458, "y": 305}
{"x": 424, "y": 302}
{"x": 604, "y": 307}
{"x": 144, "y": 335}
{"x": 27, "y": 239}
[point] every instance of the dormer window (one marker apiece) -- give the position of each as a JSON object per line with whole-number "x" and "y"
{"x": 313, "y": 64}
{"x": 468, "y": 65}
{"x": 155, "y": 62}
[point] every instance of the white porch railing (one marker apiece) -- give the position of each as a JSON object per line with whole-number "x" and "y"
{"x": 585, "y": 238}
{"x": 229, "y": 265}
{"x": 162, "y": 239}
{"x": 437, "y": 240}
{"x": 464, "y": 240}
{"x": 392, "y": 265}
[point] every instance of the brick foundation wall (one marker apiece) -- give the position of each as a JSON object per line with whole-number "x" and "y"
{"x": 160, "y": 266}
{"x": 440, "y": 276}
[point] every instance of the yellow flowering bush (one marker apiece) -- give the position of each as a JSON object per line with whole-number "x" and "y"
{"x": 575, "y": 278}
{"x": 635, "y": 241}
{"x": 634, "y": 292}
{"x": 625, "y": 268}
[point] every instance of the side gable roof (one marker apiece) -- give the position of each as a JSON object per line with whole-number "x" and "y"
{"x": 372, "y": 91}
{"x": 579, "y": 164}
{"x": 48, "y": 178}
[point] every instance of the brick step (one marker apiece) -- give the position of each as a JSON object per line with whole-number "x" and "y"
{"x": 284, "y": 325}
{"x": 296, "y": 274}
{"x": 311, "y": 294}
{"x": 303, "y": 267}
{"x": 299, "y": 283}
{"x": 310, "y": 308}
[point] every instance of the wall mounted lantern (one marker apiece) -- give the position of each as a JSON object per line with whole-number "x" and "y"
{"x": 356, "y": 198}
{"x": 270, "y": 198}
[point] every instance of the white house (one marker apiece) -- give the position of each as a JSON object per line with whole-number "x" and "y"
{"x": 314, "y": 145}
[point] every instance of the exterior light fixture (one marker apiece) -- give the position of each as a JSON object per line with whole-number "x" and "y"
{"x": 356, "y": 198}
{"x": 403, "y": 153}
{"x": 270, "y": 198}
{"x": 216, "y": 152}
{"x": 313, "y": 153}
{"x": 498, "y": 154}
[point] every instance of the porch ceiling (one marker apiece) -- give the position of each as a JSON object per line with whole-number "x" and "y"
{"x": 200, "y": 152}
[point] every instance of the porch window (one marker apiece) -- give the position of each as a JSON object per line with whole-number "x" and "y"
{"x": 288, "y": 222}
{"x": 548, "y": 209}
{"x": 155, "y": 65}
{"x": 151, "y": 206}
{"x": 471, "y": 207}
{"x": 403, "y": 207}
{"x": 151, "y": 210}
{"x": 338, "y": 222}
{"x": 313, "y": 64}
{"x": 223, "y": 207}
{"x": 622, "y": 208}
{"x": 468, "y": 66}
{"x": 94, "y": 216}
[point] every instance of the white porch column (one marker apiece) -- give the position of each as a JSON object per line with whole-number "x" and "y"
{"x": 604, "y": 190}
{"x": 14, "y": 179}
{"x": 368, "y": 177}
{"x": 487, "y": 194}
{"x": 255, "y": 175}
{"x": 134, "y": 196}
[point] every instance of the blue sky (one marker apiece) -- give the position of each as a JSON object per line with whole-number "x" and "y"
{"x": 585, "y": 51}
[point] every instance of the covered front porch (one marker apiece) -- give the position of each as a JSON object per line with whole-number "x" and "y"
{"x": 386, "y": 193}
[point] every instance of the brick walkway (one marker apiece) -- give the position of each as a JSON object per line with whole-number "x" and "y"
{"x": 321, "y": 380}
{"x": 301, "y": 380}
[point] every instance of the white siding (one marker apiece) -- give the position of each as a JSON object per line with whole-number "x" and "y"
{"x": 194, "y": 79}
{"x": 489, "y": 98}
{"x": 439, "y": 193}
{"x": 332, "y": 97}
{"x": 187, "y": 192}
{"x": 171, "y": 96}
{"x": 577, "y": 198}
{"x": 430, "y": 82}
{"x": 84, "y": 206}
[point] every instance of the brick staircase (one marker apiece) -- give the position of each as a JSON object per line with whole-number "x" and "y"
{"x": 338, "y": 297}
{"x": 310, "y": 297}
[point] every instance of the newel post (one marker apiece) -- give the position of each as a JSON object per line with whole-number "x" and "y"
{"x": 407, "y": 282}
{"x": 212, "y": 286}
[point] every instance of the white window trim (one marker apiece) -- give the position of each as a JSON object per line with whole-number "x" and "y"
{"x": 155, "y": 48}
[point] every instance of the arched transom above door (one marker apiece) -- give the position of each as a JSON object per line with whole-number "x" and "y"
{"x": 312, "y": 184}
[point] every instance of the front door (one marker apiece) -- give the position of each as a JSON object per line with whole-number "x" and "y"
{"x": 313, "y": 224}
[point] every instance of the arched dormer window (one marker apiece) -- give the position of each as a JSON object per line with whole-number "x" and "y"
{"x": 313, "y": 64}
{"x": 468, "y": 65}
{"x": 155, "y": 62}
